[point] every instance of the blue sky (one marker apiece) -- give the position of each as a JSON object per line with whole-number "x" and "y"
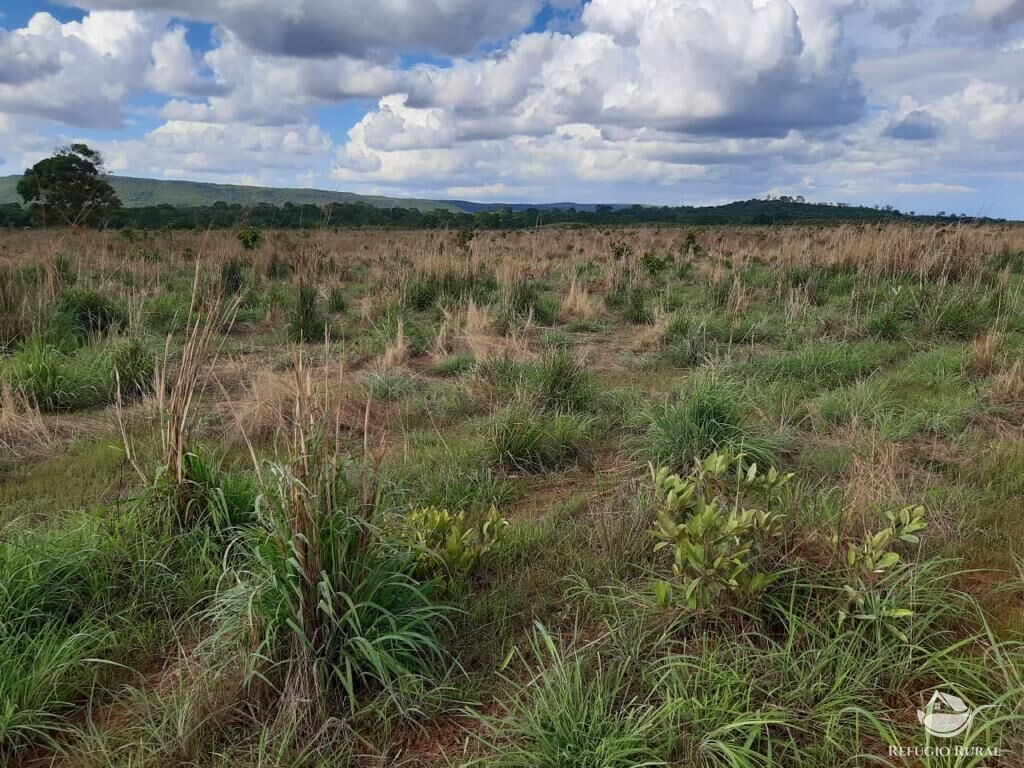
{"x": 905, "y": 102}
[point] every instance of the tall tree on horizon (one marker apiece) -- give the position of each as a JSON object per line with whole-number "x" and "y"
{"x": 69, "y": 188}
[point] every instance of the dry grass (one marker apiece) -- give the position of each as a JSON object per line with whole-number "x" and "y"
{"x": 268, "y": 404}
{"x": 22, "y": 428}
{"x": 578, "y": 303}
{"x": 983, "y": 352}
{"x": 1007, "y": 387}
{"x": 396, "y": 354}
{"x": 479, "y": 337}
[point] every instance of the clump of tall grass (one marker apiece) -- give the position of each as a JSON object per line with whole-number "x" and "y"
{"x": 80, "y": 603}
{"x": 21, "y": 423}
{"x": 86, "y": 377}
{"x": 522, "y": 302}
{"x": 324, "y": 613}
{"x": 577, "y": 711}
{"x": 80, "y": 314}
{"x": 558, "y": 381}
{"x": 523, "y": 437}
{"x": 711, "y": 416}
{"x": 307, "y": 321}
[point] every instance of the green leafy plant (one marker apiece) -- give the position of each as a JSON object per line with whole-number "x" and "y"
{"x": 715, "y": 540}
{"x": 872, "y": 562}
{"x": 250, "y": 238}
{"x": 446, "y": 546}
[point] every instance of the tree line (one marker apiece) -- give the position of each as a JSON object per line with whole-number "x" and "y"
{"x": 69, "y": 189}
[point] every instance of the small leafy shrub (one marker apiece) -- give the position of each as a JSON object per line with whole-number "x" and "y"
{"x": 653, "y": 264}
{"x": 308, "y": 322}
{"x": 250, "y": 238}
{"x": 715, "y": 540}
{"x": 444, "y": 545}
{"x": 875, "y": 561}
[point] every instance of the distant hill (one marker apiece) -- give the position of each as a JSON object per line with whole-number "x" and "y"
{"x": 137, "y": 193}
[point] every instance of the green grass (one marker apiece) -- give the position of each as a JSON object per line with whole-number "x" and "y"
{"x": 711, "y": 416}
{"x": 87, "y": 377}
{"x": 523, "y": 438}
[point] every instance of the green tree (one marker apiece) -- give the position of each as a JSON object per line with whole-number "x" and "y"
{"x": 69, "y": 188}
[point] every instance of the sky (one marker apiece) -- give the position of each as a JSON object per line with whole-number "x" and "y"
{"x": 912, "y": 103}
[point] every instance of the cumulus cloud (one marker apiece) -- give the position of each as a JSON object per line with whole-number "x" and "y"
{"x": 176, "y": 69}
{"x": 220, "y": 152}
{"x": 93, "y": 66}
{"x": 324, "y": 28}
{"x": 613, "y": 100}
{"x": 24, "y": 58}
{"x": 723, "y": 67}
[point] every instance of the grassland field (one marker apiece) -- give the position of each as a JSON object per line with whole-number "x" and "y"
{"x": 565, "y": 498}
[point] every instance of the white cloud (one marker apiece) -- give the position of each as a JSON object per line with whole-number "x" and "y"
{"x": 101, "y": 61}
{"x": 221, "y": 152}
{"x": 175, "y": 69}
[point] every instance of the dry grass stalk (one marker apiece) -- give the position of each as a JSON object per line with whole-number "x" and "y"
{"x": 983, "y": 352}
{"x": 479, "y": 337}
{"x": 397, "y": 352}
{"x": 1007, "y": 387}
{"x": 873, "y": 483}
{"x": 578, "y": 303}
{"x": 21, "y": 423}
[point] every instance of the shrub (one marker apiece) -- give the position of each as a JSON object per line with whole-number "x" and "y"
{"x": 250, "y": 238}
{"x": 873, "y": 563}
{"x": 715, "y": 540}
{"x": 444, "y": 545}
